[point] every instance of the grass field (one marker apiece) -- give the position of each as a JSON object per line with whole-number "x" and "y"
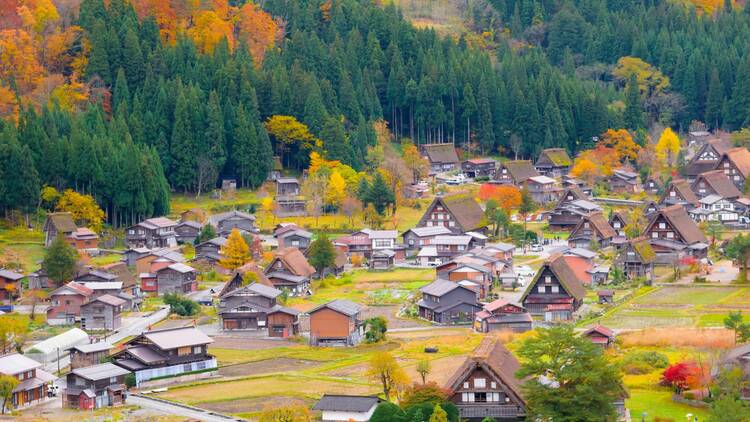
{"x": 21, "y": 247}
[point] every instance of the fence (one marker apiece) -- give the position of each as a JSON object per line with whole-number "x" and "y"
{"x": 174, "y": 370}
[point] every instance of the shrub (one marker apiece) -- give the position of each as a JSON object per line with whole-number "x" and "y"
{"x": 644, "y": 359}
{"x": 357, "y": 260}
{"x": 130, "y": 380}
{"x": 181, "y": 305}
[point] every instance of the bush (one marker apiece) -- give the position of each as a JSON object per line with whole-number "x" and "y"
{"x": 654, "y": 360}
{"x": 130, "y": 380}
{"x": 181, "y": 305}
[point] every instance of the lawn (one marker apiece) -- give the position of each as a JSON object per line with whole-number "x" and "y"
{"x": 22, "y": 247}
{"x": 658, "y": 403}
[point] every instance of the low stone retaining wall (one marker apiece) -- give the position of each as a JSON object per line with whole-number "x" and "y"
{"x": 694, "y": 403}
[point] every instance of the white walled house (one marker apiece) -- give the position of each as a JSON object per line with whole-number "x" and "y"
{"x": 345, "y": 408}
{"x": 715, "y": 208}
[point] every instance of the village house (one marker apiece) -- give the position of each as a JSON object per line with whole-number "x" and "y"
{"x": 698, "y": 137}
{"x": 418, "y": 237}
{"x": 33, "y": 380}
{"x": 343, "y": 408}
{"x": 254, "y": 307}
{"x": 568, "y": 214}
{"x": 715, "y": 208}
{"x": 555, "y": 291}
{"x": 735, "y": 164}
{"x": 95, "y": 276}
{"x": 706, "y": 158}
{"x": 66, "y": 302}
{"x": 225, "y": 222}
{"x": 485, "y": 261}
{"x": 679, "y": 193}
{"x": 600, "y": 335}
{"x": 485, "y": 385}
{"x": 738, "y": 357}
{"x": 291, "y": 235}
{"x": 650, "y": 209}
{"x": 58, "y": 223}
{"x": 10, "y": 285}
{"x": 187, "y": 231}
{"x": 672, "y": 234}
{"x": 624, "y": 182}
{"x": 477, "y": 277}
{"x": 289, "y": 201}
{"x": 619, "y": 220}
{"x": 442, "y": 157}
{"x": 250, "y": 271}
{"x": 165, "y": 352}
{"x": 459, "y": 213}
{"x": 152, "y": 261}
{"x": 715, "y": 182}
{"x": 479, "y": 167}
{"x": 174, "y": 278}
{"x": 543, "y": 189}
{"x": 382, "y": 259}
{"x": 605, "y": 297}
{"x": 210, "y": 250}
{"x": 447, "y": 302}
{"x": 501, "y": 315}
{"x": 636, "y": 259}
{"x": 515, "y": 172}
{"x": 336, "y": 322}
{"x": 592, "y": 229}
{"x": 569, "y": 181}
{"x": 158, "y": 232}
{"x": 653, "y": 185}
{"x": 553, "y": 162}
{"x": 85, "y": 240}
{"x": 94, "y": 387}
{"x": 290, "y": 270}
{"x": 90, "y": 354}
{"x": 599, "y": 274}
{"x": 102, "y": 313}
{"x": 448, "y": 246}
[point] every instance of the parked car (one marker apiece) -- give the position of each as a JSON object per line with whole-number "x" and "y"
{"x": 537, "y": 248}
{"x": 524, "y": 271}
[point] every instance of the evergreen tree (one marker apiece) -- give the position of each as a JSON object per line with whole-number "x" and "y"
{"x": 182, "y": 148}
{"x": 633, "y": 107}
{"x": 322, "y": 254}
{"x": 714, "y": 101}
{"x": 60, "y": 261}
{"x": 380, "y": 194}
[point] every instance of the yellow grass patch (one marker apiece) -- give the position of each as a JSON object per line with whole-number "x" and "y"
{"x": 679, "y": 337}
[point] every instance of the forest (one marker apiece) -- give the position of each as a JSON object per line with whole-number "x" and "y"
{"x": 130, "y": 100}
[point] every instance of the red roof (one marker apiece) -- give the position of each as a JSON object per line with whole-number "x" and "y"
{"x": 495, "y": 305}
{"x": 601, "y": 330}
{"x": 482, "y": 314}
{"x": 559, "y": 307}
{"x": 579, "y": 266}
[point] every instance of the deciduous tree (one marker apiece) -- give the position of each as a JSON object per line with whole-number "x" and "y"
{"x": 668, "y": 148}
{"x": 60, "y": 261}
{"x": 7, "y": 384}
{"x": 85, "y": 210}
{"x": 235, "y": 252}
{"x": 384, "y": 369}
{"x": 322, "y": 254}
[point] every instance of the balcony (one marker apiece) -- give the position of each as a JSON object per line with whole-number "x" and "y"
{"x": 481, "y": 410}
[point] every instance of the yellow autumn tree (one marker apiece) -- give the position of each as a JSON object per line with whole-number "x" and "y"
{"x": 585, "y": 169}
{"x": 85, "y": 210}
{"x": 621, "y": 141}
{"x": 336, "y": 192}
{"x": 37, "y": 14}
{"x": 668, "y": 147}
{"x": 235, "y": 252}
{"x": 208, "y": 29}
{"x": 384, "y": 368}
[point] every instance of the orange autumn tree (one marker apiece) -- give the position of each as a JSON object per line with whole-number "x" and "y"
{"x": 257, "y": 28}
{"x": 623, "y": 144}
{"x": 18, "y": 60}
{"x": 208, "y": 30}
{"x": 595, "y": 164}
{"x": 507, "y": 197}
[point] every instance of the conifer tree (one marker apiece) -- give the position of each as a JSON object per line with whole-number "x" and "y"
{"x": 182, "y": 149}
{"x": 235, "y": 252}
{"x": 633, "y": 107}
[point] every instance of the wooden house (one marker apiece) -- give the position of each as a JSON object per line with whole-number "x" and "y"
{"x": 715, "y": 208}
{"x": 346, "y": 408}
{"x": 152, "y": 261}
{"x": 418, "y": 237}
{"x": 673, "y": 234}
{"x": 447, "y": 302}
{"x": 679, "y": 193}
{"x": 290, "y": 270}
{"x": 471, "y": 274}
{"x": 698, "y": 137}
{"x": 158, "y": 232}
{"x": 289, "y": 199}
{"x": 543, "y": 189}
{"x": 442, "y": 157}
{"x": 555, "y": 291}
{"x": 501, "y": 315}
{"x": 569, "y": 214}
{"x": 336, "y": 322}
{"x": 619, "y": 220}
{"x": 32, "y": 380}
{"x": 553, "y": 162}
{"x": 569, "y": 181}
{"x": 58, "y": 224}
{"x": 96, "y": 276}
{"x": 174, "y": 278}
{"x": 625, "y": 182}
{"x": 706, "y": 158}
{"x": 165, "y": 352}
{"x": 66, "y": 302}
{"x": 485, "y": 385}
{"x": 636, "y": 258}
{"x": 187, "y": 231}
{"x": 102, "y": 313}
{"x": 653, "y": 185}
{"x": 715, "y": 182}
{"x": 84, "y": 239}
{"x": 735, "y": 164}
{"x": 600, "y": 335}
{"x": 479, "y": 167}
{"x": 592, "y": 229}
{"x": 94, "y": 387}
{"x": 254, "y": 307}
{"x": 291, "y": 235}
{"x": 90, "y": 354}
{"x": 515, "y": 172}
{"x": 10, "y": 285}
{"x": 210, "y": 250}
{"x": 225, "y": 222}
{"x": 459, "y": 213}
{"x": 382, "y": 259}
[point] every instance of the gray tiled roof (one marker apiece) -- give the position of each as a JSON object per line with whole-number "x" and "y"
{"x": 344, "y": 306}
{"x": 342, "y": 403}
{"x": 101, "y": 371}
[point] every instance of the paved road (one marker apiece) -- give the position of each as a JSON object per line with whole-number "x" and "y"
{"x": 167, "y": 408}
{"x": 134, "y": 328}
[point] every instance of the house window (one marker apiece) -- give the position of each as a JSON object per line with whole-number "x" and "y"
{"x": 662, "y": 225}
{"x": 480, "y": 383}
{"x": 466, "y": 385}
{"x": 672, "y": 193}
{"x": 493, "y": 384}
{"x": 654, "y": 235}
{"x": 451, "y": 224}
{"x": 429, "y": 224}
{"x": 197, "y": 350}
{"x": 547, "y": 279}
{"x": 187, "y": 367}
{"x": 670, "y": 235}
{"x": 113, "y": 380}
{"x": 555, "y": 289}
{"x": 183, "y": 351}
{"x": 540, "y": 289}
{"x": 480, "y": 397}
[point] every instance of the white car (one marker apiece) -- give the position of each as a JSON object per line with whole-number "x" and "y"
{"x": 524, "y": 271}
{"x": 537, "y": 248}
{"x": 454, "y": 181}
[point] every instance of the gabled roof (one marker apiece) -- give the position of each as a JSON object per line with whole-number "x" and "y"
{"x": 84, "y": 233}
{"x": 573, "y": 191}
{"x": 107, "y": 299}
{"x": 256, "y": 288}
{"x": 73, "y": 288}
{"x": 542, "y": 180}
{"x": 497, "y": 304}
{"x": 441, "y": 153}
{"x": 623, "y": 216}
{"x": 719, "y": 183}
{"x": 11, "y": 275}
{"x": 157, "y": 222}
{"x": 580, "y": 267}
{"x": 62, "y": 221}
{"x": 100, "y": 372}
{"x": 464, "y": 209}
{"x": 440, "y": 287}
{"x": 520, "y": 170}
{"x": 429, "y": 231}
{"x": 215, "y": 219}
{"x": 451, "y": 240}
{"x": 294, "y": 261}
{"x": 492, "y": 356}
{"x": 179, "y": 267}
{"x": 682, "y": 223}
{"x": 191, "y": 223}
{"x": 682, "y": 187}
{"x": 99, "y": 274}
{"x": 172, "y": 338}
{"x": 697, "y": 166}
{"x": 218, "y": 241}
{"x": 93, "y": 347}
{"x": 15, "y": 363}
{"x": 599, "y": 223}
{"x": 103, "y": 285}
{"x": 282, "y": 180}
{"x": 564, "y": 274}
{"x": 480, "y": 160}
{"x": 740, "y": 158}
{"x": 585, "y": 205}
{"x": 599, "y": 329}
{"x": 380, "y": 234}
{"x": 557, "y": 157}
{"x": 343, "y": 403}
{"x": 343, "y": 306}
